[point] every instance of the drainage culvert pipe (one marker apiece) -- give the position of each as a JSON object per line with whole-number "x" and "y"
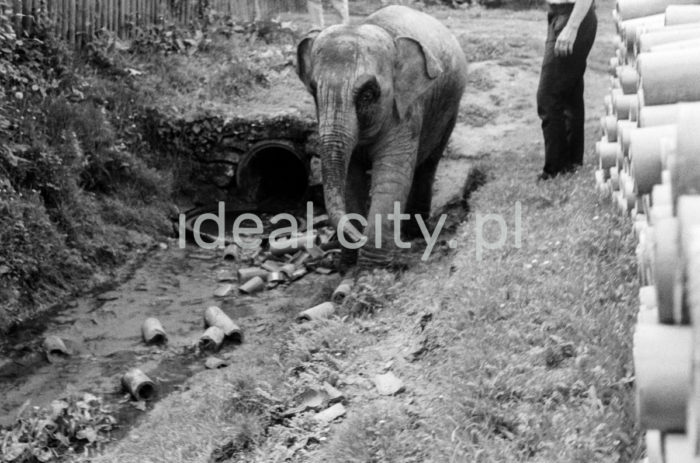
{"x": 274, "y": 174}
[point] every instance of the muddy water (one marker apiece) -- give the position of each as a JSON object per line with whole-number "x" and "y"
{"x": 173, "y": 285}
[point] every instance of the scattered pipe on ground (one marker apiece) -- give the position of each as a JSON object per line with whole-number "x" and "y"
{"x": 214, "y": 316}
{"x": 212, "y": 339}
{"x": 140, "y": 386}
{"x": 54, "y": 347}
{"x": 253, "y": 285}
{"x": 247, "y": 274}
{"x": 318, "y": 312}
{"x": 342, "y": 291}
{"x": 288, "y": 269}
{"x": 223, "y": 290}
{"x": 232, "y": 252}
{"x": 153, "y": 332}
{"x": 275, "y": 278}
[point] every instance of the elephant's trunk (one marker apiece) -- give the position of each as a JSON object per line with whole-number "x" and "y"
{"x": 338, "y": 136}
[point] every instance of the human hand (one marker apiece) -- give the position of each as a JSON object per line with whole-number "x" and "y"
{"x": 565, "y": 41}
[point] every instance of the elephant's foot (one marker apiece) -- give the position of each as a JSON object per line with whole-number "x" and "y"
{"x": 348, "y": 259}
{"x": 371, "y": 258}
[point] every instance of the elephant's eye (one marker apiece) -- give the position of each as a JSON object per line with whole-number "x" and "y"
{"x": 367, "y": 94}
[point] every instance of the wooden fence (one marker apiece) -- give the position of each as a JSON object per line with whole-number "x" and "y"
{"x": 76, "y": 21}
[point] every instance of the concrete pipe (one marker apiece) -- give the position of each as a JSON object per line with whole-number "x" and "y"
{"x": 664, "y": 114}
{"x": 654, "y": 443}
{"x": 669, "y": 77}
{"x": 214, "y": 316}
{"x": 630, "y": 9}
{"x": 607, "y": 104}
{"x": 629, "y": 79}
{"x": 661, "y": 196}
{"x": 609, "y": 123}
{"x": 691, "y": 44}
{"x": 152, "y": 332}
{"x": 645, "y": 156}
{"x": 140, "y": 386}
{"x": 318, "y": 312}
{"x": 669, "y": 34}
{"x": 342, "y": 291}
{"x": 666, "y": 271}
{"x": 254, "y": 285}
{"x": 54, "y": 347}
{"x": 662, "y": 365}
{"x": 211, "y": 339}
{"x": 678, "y": 449}
{"x": 685, "y": 165}
{"x": 609, "y": 155}
{"x": 246, "y": 274}
{"x": 623, "y": 137}
{"x": 632, "y": 28}
{"x": 614, "y": 179}
{"x": 622, "y": 104}
{"x": 274, "y": 173}
{"x": 688, "y": 213}
{"x": 680, "y": 13}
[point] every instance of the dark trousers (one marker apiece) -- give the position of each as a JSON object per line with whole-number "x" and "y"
{"x": 560, "y": 102}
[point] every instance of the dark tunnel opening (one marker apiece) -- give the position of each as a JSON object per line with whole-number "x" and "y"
{"x": 274, "y": 175}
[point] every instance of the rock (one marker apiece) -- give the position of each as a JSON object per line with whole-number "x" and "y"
{"x": 108, "y": 296}
{"x": 388, "y": 384}
{"x": 334, "y": 395}
{"x": 226, "y": 275}
{"x": 330, "y": 414}
{"x": 223, "y": 290}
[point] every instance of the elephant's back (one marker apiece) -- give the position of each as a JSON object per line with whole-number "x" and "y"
{"x": 402, "y": 21}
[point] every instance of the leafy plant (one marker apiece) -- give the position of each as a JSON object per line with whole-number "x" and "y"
{"x": 71, "y": 426}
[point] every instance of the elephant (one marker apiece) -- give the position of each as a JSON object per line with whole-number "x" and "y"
{"x": 387, "y": 92}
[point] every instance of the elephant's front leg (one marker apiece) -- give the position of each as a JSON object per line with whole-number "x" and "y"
{"x": 392, "y": 175}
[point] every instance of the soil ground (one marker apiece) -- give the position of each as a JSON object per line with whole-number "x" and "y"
{"x": 523, "y": 354}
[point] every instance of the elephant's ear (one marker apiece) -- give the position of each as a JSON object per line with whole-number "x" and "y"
{"x": 304, "y": 57}
{"x": 415, "y": 69}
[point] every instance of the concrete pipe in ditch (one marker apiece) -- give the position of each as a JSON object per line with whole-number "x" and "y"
{"x": 152, "y": 332}
{"x": 685, "y": 165}
{"x": 214, "y": 316}
{"x": 274, "y": 173}
{"x": 318, "y": 312}
{"x": 667, "y": 35}
{"x": 669, "y": 77}
{"x": 645, "y": 155}
{"x": 677, "y": 13}
{"x": 139, "y": 385}
{"x": 211, "y": 339}
{"x": 662, "y": 364}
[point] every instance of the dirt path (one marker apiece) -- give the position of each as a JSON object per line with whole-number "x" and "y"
{"x": 522, "y": 355}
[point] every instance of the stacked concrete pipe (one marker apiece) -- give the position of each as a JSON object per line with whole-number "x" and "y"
{"x": 649, "y": 164}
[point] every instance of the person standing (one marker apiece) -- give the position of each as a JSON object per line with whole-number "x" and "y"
{"x": 315, "y": 8}
{"x": 572, "y": 26}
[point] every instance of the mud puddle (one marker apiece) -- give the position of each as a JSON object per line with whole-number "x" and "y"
{"x": 174, "y": 285}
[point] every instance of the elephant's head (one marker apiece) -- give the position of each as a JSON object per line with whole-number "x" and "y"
{"x": 363, "y": 82}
